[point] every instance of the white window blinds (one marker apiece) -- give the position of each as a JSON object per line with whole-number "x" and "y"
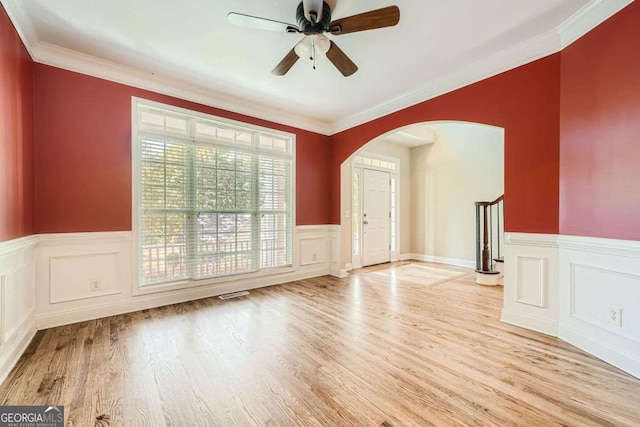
{"x": 214, "y": 199}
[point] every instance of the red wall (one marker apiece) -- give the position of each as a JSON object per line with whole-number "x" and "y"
{"x": 525, "y": 101}
{"x": 571, "y": 156}
{"x": 83, "y": 154}
{"x": 600, "y": 131}
{"x": 16, "y": 141}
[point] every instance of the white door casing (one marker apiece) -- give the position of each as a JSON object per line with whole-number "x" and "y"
{"x": 375, "y": 217}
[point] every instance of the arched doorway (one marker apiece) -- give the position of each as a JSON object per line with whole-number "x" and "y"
{"x": 439, "y": 170}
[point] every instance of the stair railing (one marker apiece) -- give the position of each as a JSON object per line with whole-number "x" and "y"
{"x": 489, "y": 228}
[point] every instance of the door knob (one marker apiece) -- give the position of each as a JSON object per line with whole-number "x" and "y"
{"x": 365, "y": 222}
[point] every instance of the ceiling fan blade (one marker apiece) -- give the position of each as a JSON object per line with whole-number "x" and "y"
{"x": 285, "y": 65}
{"x": 380, "y": 18}
{"x": 313, "y": 6}
{"x": 260, "y": 23}
{"x": 341, "y": 60}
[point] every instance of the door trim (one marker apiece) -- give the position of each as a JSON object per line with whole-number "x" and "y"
{"x": 358, "y": 167}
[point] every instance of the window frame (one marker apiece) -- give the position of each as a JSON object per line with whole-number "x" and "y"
{"x": 136, "y": 136}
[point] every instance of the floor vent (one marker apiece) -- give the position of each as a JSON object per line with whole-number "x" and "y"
{"x": 233, "y": 295}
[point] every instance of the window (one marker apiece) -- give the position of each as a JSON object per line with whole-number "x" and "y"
{"x": 393, "y": 214}
{"x": 214, "y": 198}
{"x": 355, "y": 215}
{"x": 375, "y": 163}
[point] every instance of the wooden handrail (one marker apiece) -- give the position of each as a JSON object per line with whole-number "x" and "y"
{"x": 495, "y": 202}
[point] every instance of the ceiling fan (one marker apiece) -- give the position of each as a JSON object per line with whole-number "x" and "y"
{"x": 313, "y": 20}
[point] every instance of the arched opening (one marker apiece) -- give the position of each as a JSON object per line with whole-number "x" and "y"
{"x": 440, "y": 169}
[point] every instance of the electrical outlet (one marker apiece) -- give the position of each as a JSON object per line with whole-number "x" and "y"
{"x": 615, "y": 316}
{"x": 96, "y": 285}
{"x": 314, "y": 257}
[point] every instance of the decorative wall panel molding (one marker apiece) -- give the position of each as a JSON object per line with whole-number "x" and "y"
{"x": 531, "y": 281}
{"x": 530, "y": 276}
{"x": 17, "y": 300}
{"x": 596, "y": 277}
{"x": 82, "y": 276}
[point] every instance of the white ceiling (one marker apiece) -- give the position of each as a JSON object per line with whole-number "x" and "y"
{"x": 189, "y": 42}
{"x": 411, "y": 136}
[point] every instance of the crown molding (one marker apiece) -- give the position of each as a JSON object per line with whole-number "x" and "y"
{"x": 583, "y": 21}
{"x": 18, "y": 15}
{"x": 67, "y": 59}
{"x": 59, "y": 57}
{"x": 523, "y": 53}
{"x": 589, "y": 17}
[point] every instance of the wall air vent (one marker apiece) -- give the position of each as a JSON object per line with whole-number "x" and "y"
{"x": 233, "y": 295}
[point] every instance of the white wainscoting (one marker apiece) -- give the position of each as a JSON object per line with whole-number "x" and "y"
{"x": 558, "y": 285}
{"x": 68, "y": 266}
{"x": 531, "y": 282}
{"x": 17, "y": 300}
{"x": 596, "y": 275}
{"x": 566, "y": 286}
{"x": 334, "y": 249}
{"x": 314, "y": 244}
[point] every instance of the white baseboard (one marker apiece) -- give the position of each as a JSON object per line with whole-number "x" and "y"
{"x": 340, "y": 274}
{"x": 628, "y": 362}
{"x": 439, "y": 260}
{"x": 528, "y": 321}
{"x": 143, "y": 302}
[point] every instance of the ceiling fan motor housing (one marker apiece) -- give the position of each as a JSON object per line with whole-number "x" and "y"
{"x": 309, "y": 27}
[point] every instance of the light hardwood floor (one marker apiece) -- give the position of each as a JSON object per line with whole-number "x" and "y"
{"x": 368, "y": 350}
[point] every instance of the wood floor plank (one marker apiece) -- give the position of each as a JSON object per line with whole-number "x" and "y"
{"x": 377, "y": 348}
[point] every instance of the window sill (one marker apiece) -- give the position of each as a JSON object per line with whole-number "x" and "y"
{"x": 190, "y": 284}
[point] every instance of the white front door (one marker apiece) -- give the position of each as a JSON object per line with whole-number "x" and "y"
{"x": 375, "y": 217}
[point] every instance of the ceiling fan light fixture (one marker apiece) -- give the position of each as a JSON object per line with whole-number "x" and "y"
{"x": 303, "y": 48}
{"x": 313, "y": 19}
{"x": 321, "y": 45}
